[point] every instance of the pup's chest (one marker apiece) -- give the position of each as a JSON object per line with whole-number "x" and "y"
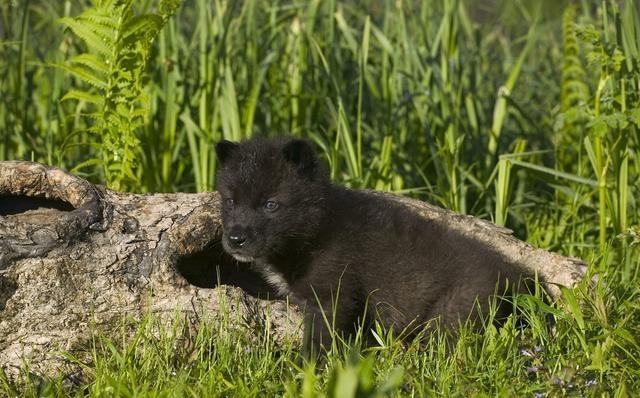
{"x": 274, "y": 278}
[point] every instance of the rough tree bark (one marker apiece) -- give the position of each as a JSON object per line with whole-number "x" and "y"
{"x": 75, "y": 257}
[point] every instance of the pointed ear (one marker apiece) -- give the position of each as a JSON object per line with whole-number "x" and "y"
{"x": 224, "y": 149}
{"x": 302, "y": 155}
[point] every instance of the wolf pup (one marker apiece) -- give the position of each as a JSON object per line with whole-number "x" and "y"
{"x": 346, "y": 254}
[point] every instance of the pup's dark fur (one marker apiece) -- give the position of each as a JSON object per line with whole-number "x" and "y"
{"x": 307, "y": 236}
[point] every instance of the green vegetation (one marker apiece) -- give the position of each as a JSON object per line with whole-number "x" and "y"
{"x": 523, "y": 112}
{"x": 119, "y": 45}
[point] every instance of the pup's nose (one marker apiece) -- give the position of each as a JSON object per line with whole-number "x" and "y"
{"x": 237, "y": 240}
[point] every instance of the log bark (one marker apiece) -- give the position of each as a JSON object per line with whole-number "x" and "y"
{"x": 76, "y": 257}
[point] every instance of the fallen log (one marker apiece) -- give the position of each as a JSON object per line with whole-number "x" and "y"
{"x": 75, "y": 257}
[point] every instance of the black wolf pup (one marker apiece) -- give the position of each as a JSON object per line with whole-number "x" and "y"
{"x": 346, "y": 252}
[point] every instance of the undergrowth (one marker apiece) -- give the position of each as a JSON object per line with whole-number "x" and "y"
{"x": 589, "y": 350}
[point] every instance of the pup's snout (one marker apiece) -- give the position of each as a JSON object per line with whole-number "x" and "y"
{"x": 237, "y": 236}
{"x": 237, "y": 240}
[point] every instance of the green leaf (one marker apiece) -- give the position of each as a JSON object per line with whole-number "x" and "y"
{"x": 91, "y": 61}
{"x": 555, "y": 173}
{"x": 345, "y": 384}
{"x": 80, "y": 95}
{"x": 634, "y": 116}
{"x": 141, "y": 27}
{"x": 574, "y": 307}
{"x": 87, "y": 32}
{"x": 87, "y": 75}
{"x": 85, "y": 164}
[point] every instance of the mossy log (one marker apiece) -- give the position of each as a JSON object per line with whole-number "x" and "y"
{"x": 76, "y": 257}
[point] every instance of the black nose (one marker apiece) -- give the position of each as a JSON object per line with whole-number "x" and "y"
{"x": 237, "y": 240}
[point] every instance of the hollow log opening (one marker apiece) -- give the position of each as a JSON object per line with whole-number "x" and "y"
{"x": 14, "y": 205}
{"x": 212, "y": 267}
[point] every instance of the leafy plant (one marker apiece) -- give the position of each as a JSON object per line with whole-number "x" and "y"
{"x": 119, "y": 43}
{"x": 614, "y": 117}
{"x": 574, "y": 92}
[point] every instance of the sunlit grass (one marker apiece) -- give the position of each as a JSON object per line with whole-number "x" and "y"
{"x": 589, "y": 349}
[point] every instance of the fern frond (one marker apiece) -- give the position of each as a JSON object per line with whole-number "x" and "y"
{"x": 85, "y": 164}
{"x": 101, "y": 23}
{"x": 87, "y": 74}
{"x": 141, "y": 27}
{"x": 100, "y": 20}
{"x": 573, "y": 90}
{"x": 87, "y": 32}
{"x": 118, "y": 46}
{"x": 168, "y": 8}
{"x": 92, "y": 62}
{"x": 80, "y": 95}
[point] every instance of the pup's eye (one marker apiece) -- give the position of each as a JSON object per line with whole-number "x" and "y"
{"x": 229, "y": 202}
{"x": 271, "y": 205}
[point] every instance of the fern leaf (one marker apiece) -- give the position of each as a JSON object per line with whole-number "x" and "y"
{"x": 87, "y": 32}
{"x": 79, "y": 95}
{"x": 573, "y": 90}
{"x": 102, "y": 22}
{"x": 85, "y": 164}
{"x": 168, "y": 7}
{"x": 119, "y": 45}
{"x": 100, "y": 18}
{"x": 142, "y": 27}
{"x": 86, "y": 75}
{"x": 92, "y": 62}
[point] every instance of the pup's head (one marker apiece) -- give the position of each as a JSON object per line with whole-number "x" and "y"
{"x": 272, "y": 193}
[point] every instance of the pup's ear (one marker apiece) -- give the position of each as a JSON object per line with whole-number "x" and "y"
{"x": 301, "y": 154}
{"x": 224, "y": 149}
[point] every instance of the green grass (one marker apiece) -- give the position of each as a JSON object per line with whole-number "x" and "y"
{"x": 590, "y": 351}
{"x": 526, "y": 113}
